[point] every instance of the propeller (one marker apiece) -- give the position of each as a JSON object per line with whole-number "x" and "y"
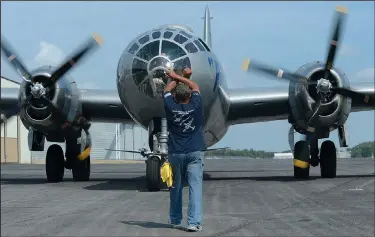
{"x": 323, "y": 86}
{"x": 38, "y": 90}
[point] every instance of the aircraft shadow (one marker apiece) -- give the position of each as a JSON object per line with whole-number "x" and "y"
{"x": 139, "y": 183}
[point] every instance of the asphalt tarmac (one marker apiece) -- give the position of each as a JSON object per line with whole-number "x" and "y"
{"x": 241, "y": 198}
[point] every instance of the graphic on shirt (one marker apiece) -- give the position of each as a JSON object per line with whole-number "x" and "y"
{"x": 184, "y": 119}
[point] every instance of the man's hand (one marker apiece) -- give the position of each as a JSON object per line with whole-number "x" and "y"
{"x": 184, "y": 80}
{"x": 171, "y": 85}
{"x": 172, "y": 74}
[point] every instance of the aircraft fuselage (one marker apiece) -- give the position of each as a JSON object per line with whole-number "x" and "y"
{"x": 150, "y": 53}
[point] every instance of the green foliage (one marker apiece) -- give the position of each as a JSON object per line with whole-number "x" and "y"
{"x": 244, "y": 153}
{"x": 364, "y": 149}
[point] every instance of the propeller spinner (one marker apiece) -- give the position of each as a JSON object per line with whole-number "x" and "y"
{"x": 38, "y": 90}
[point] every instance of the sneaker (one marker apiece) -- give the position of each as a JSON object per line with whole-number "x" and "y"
{"x": 194, "y": 228}
{"x": 175, "y": 226}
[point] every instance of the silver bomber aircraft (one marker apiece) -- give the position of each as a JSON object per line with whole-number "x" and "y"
{"x": 50, "y": 105}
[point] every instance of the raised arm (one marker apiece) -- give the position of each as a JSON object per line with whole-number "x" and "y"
{"x": 171, "y": 85}
{"x": 194, "y": 86}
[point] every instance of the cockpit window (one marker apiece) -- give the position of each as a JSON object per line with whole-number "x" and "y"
{"x": 204, "y": 44}
{"x": 200, "y": 46}
{"x": 156, "y": 35}
{"x": 185, "y": 34}
{"x": 190, "y": 47}
{"x": 144, "y": 39}
{"x": 149, "y": 50}
{"x": 139, "y": 71}
{"x": 168, "y": 34}
{"x": 180, "y": 39}
{"x": 133, "y": 49}
{"x": 180, "y": 64}
{"x": 172, "y": 50}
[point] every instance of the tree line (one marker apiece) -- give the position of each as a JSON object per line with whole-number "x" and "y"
{"x": 238, "y": 152}
{"x": 364, "y": 149}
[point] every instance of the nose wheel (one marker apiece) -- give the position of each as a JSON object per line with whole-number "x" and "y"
{"x": 153, "y": 179}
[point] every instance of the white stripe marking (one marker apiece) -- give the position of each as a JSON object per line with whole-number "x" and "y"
{"x": 360, "y": 188}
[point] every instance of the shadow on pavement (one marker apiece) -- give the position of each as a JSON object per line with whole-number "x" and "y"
{"x": 139, "y": 183}
{"x": 147, "y": 224}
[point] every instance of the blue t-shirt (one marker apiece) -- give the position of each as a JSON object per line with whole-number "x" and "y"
{"x": 185, "y": 124}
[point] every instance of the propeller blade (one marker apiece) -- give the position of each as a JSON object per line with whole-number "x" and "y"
{"x": 15, "y": 60}
{"x": 93, "y": 42}
{"x": 275, "y": 72}
{"x": 336, "y": 34}
{"x": 360, "y": 96}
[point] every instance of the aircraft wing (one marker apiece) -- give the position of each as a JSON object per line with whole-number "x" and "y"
{"x": 97, "y": 105}
{"x": 251, "y": 105}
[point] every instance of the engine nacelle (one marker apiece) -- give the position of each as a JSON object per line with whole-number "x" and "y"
{"x": 64, "y": 95}
{"x": 334, "y": 111}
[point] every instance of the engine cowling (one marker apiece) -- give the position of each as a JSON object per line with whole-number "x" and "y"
{"x": 64, "y": 96}
{"x": 334, "y": 110}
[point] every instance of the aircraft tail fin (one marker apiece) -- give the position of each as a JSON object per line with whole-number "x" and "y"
{"x": 207, "y": 27}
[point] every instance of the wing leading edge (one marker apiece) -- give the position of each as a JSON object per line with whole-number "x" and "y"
{"x": 251, "y": 105}
{"x": 97, "y": 105}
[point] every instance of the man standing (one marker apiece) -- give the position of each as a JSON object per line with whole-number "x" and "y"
{"x": 184, "y": 113}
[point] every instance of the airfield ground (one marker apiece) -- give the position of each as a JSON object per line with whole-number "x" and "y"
{"x": 241, "y": 198}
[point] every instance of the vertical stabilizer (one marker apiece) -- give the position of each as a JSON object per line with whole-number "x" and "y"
{"x": 207, "y": 27}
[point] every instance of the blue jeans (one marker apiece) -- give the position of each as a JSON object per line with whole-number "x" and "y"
{"x": 186, "y": 167}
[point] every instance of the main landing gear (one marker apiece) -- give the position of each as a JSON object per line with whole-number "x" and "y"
{"x": 302, "y": 160}
{"x": 77, "y": 158}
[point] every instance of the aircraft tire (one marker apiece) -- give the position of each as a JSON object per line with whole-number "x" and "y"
{"x": 153, "y": 178}
{"x": 81, "y": 169}
{"x": 301, "y": 161}
{"x": 55, "y": 163}
{"x": 328, "y": 160}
